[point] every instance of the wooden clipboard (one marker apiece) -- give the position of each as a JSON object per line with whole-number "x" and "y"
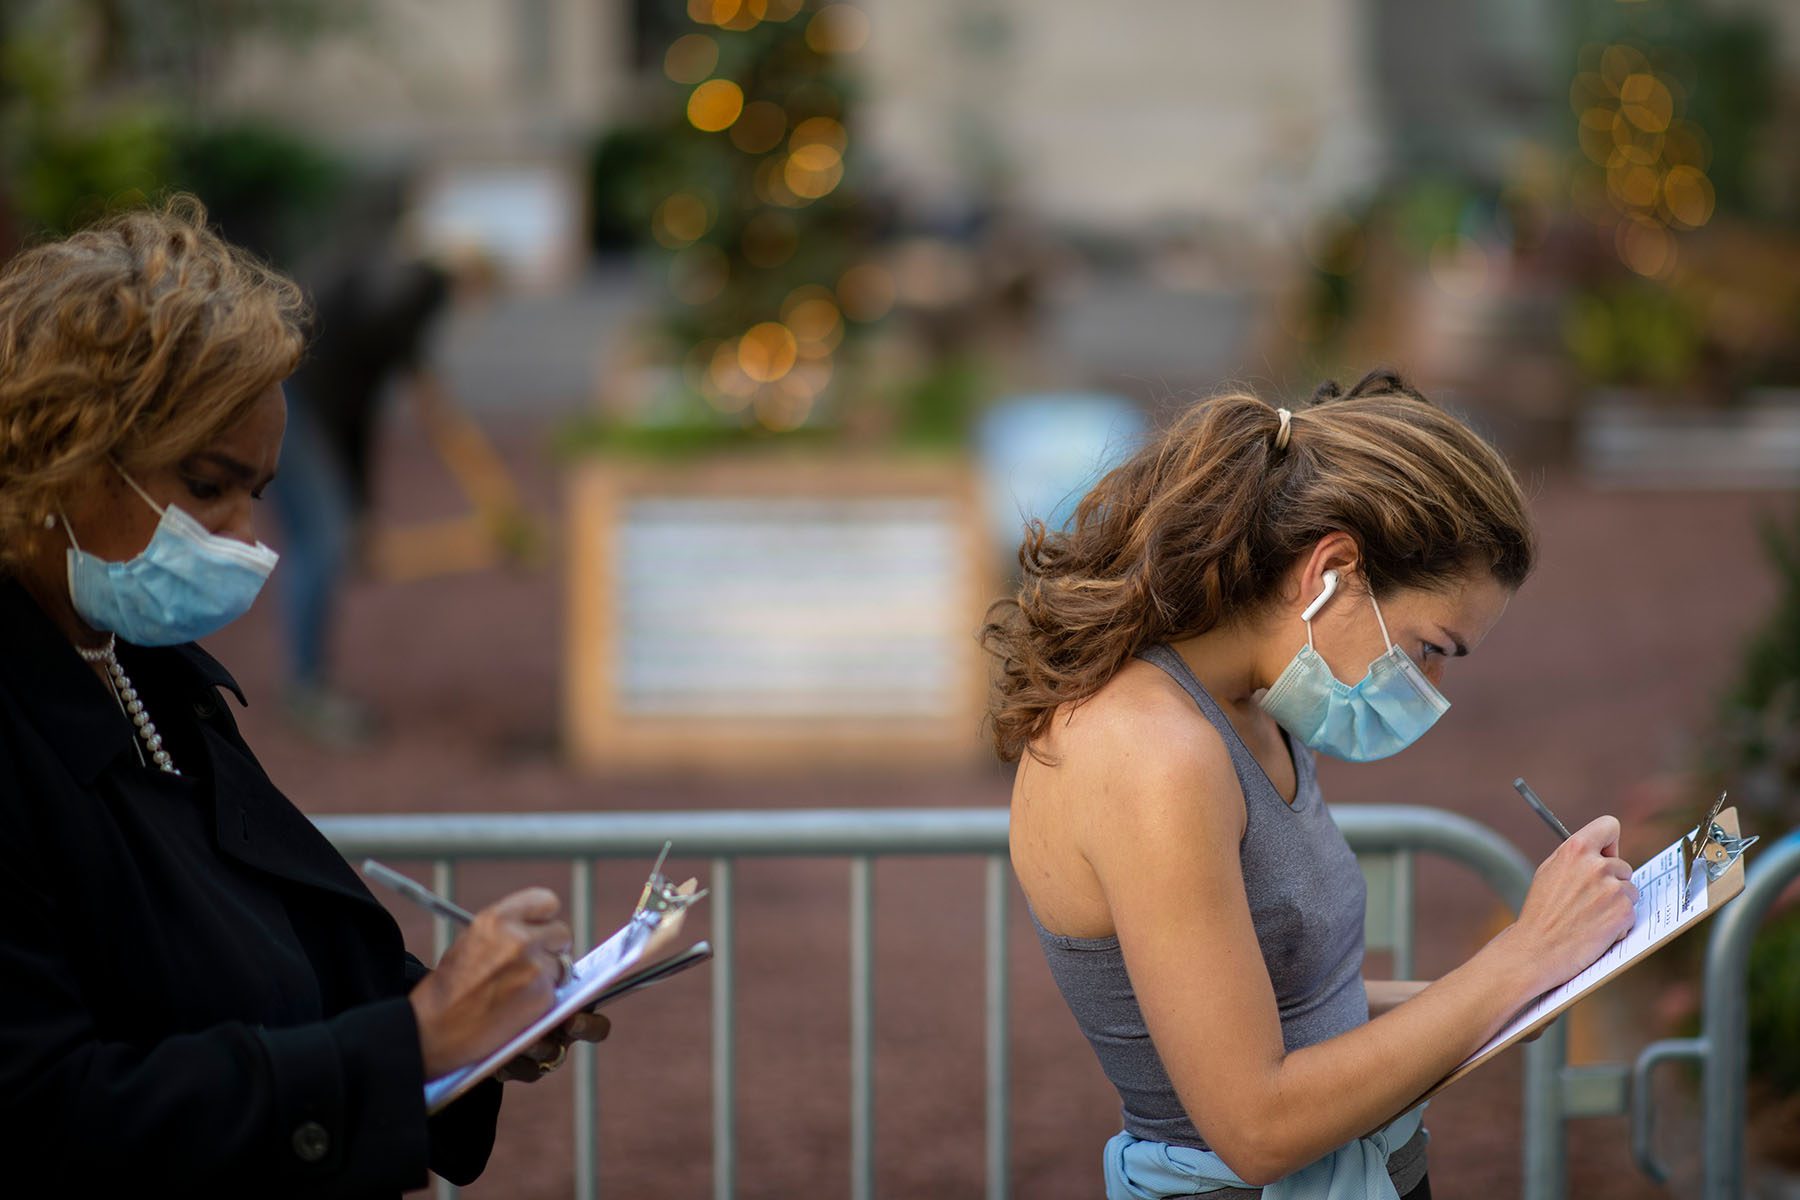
{"x": 1718, "y": 892}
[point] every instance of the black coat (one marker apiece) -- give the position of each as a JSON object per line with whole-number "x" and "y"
{"x": 198, "y": 996}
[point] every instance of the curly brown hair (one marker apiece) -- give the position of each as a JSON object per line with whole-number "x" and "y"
{"x": 142, "y": 338}
{"x": 1198, "y": 528}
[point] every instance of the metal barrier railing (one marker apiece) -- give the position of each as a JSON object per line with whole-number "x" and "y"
{"x": 1385, "y": 838}
{"x": 1722, "y": 1048}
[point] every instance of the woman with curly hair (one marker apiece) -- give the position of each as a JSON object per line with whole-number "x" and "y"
{"x": 1254, "y": 586}
{"x": 198, "y": 996}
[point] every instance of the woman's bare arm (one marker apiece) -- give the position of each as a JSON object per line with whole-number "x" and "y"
{"x": 1165, "y": 815}
{"x": 1388, "y": 994}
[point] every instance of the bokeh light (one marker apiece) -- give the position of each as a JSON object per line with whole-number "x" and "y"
{"x": 759, "y": 128}
{"x": 691, "y": 58}
{"x": 1689, "y": 195}
{"x": 820, "y": 131}
{"x": 1634, "y": 186}
{"x": 810, "y": 182}
{"x": 732, "y": 386}
{"x": 767, "y": 351}
{"x": 813, "y": 315}
{"x": 681, "y": 220}
{"x": 713, "y": 12}
{"x": 1618, "y": 63}
{"x": 1645, "y": 246}
{"x": 784, "y": 406}
{"x": 838, "y": 29}
{"x": 748, "y": 15}
{"x": 715, "y": 105}
{"x": 1646, "y": 103}
{"x": 771, "y": 184}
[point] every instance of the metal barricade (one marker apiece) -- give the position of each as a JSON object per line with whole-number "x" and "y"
{"x": 1385, "y": 838}
{"x": 1722, "y": 1049}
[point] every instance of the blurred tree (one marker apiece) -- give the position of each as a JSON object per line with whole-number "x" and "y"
{"x": 106, "y": 101}
{"x": 752, "y": 195}
{"x": 1755, "y": 751}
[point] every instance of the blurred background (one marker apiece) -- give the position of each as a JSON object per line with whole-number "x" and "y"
{"x": 684, "y": 369}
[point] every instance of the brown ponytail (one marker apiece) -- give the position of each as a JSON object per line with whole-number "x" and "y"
{"x": 1199, "y": 527}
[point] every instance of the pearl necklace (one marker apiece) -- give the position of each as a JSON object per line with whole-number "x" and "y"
{"x": 129, "y": 703}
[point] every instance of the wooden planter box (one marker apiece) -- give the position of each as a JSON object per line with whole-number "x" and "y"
{"x": 775, "y": 612}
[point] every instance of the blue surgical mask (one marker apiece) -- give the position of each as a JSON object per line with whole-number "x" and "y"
{"x": 187, "y": 583}
{"x": 1387, "y": 711}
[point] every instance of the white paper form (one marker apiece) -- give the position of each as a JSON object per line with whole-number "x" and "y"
{"x": 1659, "y": 912}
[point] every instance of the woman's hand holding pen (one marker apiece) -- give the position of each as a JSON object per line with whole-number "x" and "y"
{"x": 498, "y": 976}
{"x": 1581, "y": 901}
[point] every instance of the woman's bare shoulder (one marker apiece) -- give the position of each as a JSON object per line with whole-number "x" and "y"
{"x": 1141, "y": 742}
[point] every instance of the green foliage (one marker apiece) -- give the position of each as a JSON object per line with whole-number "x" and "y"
{"x": 266, "y": 187}
{"x": 1723, "y": 62}
{"x": 1775, "y": 1003}
{"x": 1633, "y": 333}
{"x": 95, "y": 112}
{"x": 1755, "y": 750}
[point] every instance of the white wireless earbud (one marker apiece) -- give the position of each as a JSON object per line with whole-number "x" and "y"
{"x": 1312, "y": 610}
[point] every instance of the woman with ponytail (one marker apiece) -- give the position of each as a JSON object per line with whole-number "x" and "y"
{"x": 1253, "y": 586}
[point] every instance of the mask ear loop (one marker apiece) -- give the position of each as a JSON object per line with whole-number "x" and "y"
{"x": 1386, "y": 640}
{"x": 145, "y": 496}
{"x": 68, "y": 528}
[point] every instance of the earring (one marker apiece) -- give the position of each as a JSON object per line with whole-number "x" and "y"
{"x": 49, "y": 520}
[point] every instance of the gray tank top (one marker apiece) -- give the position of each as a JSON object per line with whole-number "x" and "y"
{"x": 1306, "y": 899}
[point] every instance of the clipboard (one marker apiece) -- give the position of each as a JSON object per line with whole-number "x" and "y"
{"x": 1708, "y": 862}
{"x": 638, "y": 953}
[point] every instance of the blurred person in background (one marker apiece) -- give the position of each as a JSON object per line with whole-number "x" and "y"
{"x": 1169, "y": 665}
{"x": 192, "y": 981}
{"x": 377, "y": 300}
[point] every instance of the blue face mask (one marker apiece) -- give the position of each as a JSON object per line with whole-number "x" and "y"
{"x": 1392, "y": 706}
{"x": 187, "y": 583}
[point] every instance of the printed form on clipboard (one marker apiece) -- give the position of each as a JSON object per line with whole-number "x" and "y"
{"x": 641, "y": 952}
{"x": 1690, "y": 878}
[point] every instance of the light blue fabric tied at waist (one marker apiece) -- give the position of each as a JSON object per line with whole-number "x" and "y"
{"x": 1141, "y": 1170}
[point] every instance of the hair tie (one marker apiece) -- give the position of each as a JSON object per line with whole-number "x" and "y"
{"x": 1282, "y": 434}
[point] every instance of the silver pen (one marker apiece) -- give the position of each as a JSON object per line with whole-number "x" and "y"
{"x": 423, "y": 896}
{"x": 1542, "y": 809}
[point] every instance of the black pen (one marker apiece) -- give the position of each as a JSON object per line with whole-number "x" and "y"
{"x": 1537, "y": 806}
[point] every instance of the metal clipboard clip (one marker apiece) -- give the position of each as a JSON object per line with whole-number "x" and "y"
{"x": 1710, "y": 846}
{"x": 660, "y": 897}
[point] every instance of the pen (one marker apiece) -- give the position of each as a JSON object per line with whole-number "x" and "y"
{"x": 1537, "y": 806}
{"x": 419, "y": 894}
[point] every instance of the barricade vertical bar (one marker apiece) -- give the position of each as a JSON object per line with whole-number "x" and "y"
{"x": 1543, "y": 1131}
{"x": 1725, "y": 1017}
{"x": 862, "y": 1029}
{"x": 443, "y": 882}
{"x": 581, "y": 928}
{"x": 1403, "y": 914}
{"x": 999, "y": 1031}
{"x": 724, "y": 1036}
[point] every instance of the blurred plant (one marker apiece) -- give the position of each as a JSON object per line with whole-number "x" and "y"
{"x": 1669, "y": 103}
{"x": 100, "y": 104}
{"x": 747, "y": 183}
{"x": 265, "y": 186}
{"x": 1633, "y": 334}
{"x": 1755, "y": 751}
